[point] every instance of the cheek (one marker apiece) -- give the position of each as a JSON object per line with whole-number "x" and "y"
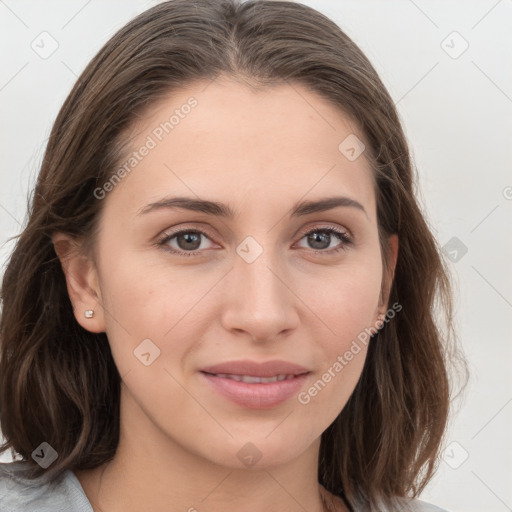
{"x": 348, "y": 303}
{"x": 348, "y": 307}
{"x": 147, "y": 300}
{"x": 350, "y": 312}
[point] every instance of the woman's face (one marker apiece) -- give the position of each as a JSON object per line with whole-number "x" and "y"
{"x": 249, "y": 275}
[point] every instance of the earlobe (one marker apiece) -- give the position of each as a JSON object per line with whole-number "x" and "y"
{"x": 82, "y": 283}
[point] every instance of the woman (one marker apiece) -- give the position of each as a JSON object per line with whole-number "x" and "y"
{"x": 224, "y": 296}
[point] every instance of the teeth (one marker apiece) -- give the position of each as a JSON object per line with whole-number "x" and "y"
{"x": 250, "y": 379}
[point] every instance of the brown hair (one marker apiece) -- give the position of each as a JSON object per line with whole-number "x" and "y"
{"x": 59, "y": 383}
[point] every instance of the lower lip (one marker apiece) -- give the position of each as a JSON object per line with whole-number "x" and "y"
{"x": 256, "y": 396}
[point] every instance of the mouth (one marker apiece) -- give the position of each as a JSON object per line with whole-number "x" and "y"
{"x": 254, "y": 385}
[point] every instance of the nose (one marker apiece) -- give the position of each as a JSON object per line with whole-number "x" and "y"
{"x": 259, "y": 302}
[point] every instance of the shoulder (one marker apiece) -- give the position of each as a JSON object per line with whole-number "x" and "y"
{"x": 18, "y": 493}
{"x": 335, "y": 504}
{"x": 415, "y": 505}
{"x": 423, "y": 506}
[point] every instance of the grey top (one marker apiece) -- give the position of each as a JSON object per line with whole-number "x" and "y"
{"x": 20, "y": 494}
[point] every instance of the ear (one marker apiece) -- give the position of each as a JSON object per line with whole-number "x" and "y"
{"x": 389, "y": 272}
{"x": 82, "y": 282}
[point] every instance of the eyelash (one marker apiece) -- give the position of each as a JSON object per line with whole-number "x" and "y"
{"x": 342, "y": 235}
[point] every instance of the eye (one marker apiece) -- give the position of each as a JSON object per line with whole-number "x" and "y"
{"x": 191, "y": 242}
{"x": 186, "y": 242}
{"x": 328, "y": 240}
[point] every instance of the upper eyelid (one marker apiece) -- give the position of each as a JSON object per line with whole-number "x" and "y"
{"x": 342, "y": 230}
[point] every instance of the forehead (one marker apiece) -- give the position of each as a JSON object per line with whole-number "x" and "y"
{"x": 224, "y": 138}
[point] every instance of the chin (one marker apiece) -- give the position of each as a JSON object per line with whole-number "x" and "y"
{"x": 258, "y": 452}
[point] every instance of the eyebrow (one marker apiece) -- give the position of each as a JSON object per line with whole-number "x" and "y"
{"x": 222, "y": 210}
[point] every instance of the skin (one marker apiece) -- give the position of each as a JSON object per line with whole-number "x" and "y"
{"x": 259, "y": 151}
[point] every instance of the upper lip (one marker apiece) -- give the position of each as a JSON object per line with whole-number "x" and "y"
{"x": 256, "y": 369}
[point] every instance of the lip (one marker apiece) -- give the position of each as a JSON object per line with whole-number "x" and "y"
{"x": 263, "y": 395}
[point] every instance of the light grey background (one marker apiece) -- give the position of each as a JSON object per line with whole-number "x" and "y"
{"x": 456, "y": 109}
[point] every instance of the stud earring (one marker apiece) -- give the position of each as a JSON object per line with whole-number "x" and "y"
{"x": 89, "y": 313}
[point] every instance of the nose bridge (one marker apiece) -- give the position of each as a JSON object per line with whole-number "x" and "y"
{"x": 254, "y": 274}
